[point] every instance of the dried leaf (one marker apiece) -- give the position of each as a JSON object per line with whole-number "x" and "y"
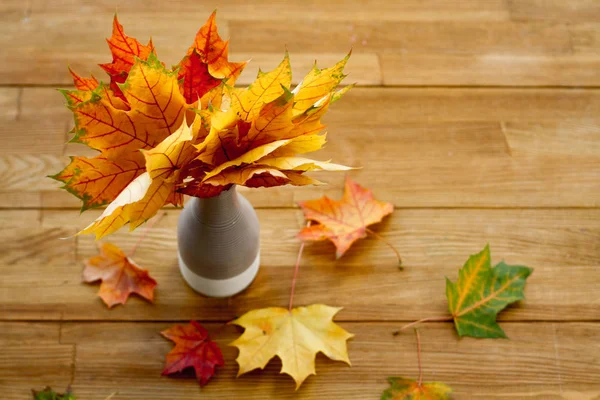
{"x": 157, "y": 111}
{"x": 318, "y": 84}
{"x": 408, "y": 389}
{"x": 214, "y": 52}
{"x": 246, "y": 136}
{"x": 83, "y": 83}
{"x": 481, "y": 292}
{"x": 124, "y": 50}
{"x": 193, "y": 348}
{"x": 345, "y": 221}
{"x": 120, "y": 276}
{"x": 294, "y": 336}
{"x": 266, "y": 88}
{"x": 142, "y": 199}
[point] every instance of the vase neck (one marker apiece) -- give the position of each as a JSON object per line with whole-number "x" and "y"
{"x": 217, "y": 210}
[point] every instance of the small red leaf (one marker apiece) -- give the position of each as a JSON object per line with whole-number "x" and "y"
{"x": 193, "y": 348}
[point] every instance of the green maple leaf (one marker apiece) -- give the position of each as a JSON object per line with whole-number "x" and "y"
{"x": 408, "y": 389}
{"x": 49, "y": 394}
{"x": 481, "y": 292}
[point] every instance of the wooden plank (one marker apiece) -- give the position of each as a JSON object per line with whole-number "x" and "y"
{"x": 406, "y": 69}
{"x": 42, "y": 37}
{"x": 395, "y": 106}
{"x": 454, "y": 50}
{"x": 9, "y": 103}
{"x": 554, "y": 10}
{"x": 543, "y": 360}
{"x": 32, "y": 358}
{"x": 274, "y": 10}
{"x": 561, "y": 245}
{"x": 446, "y": 37}
{"x": 530, "y": 148}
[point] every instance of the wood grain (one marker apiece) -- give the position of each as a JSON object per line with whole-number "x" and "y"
{"x": 33, "y": 358}
{"x": 499, "y": 147}
{"x": 541, "y": 361}
{"x": 561, "y": 246}
{"x": 478, "y": 119}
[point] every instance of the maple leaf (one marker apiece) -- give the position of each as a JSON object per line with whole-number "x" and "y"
{"x": 249, "y": 136}
{"x": 481, "y": 292}
{"x": 49, "y": 394}
{"x": 120, "y": 276}
{"x": 409, "y": 389}
{"x": 124, "y": 50}
{"x": 294, "y": 336}
{"x": 84, "y": 83}
{"x": 157, "y": 111}
{"x": 206, "y": 63}
{"x": 193, "y": 348}
{"x": 255, "y": 142}
{"x": 143, "y": 197}
{"x": 344, "y": 221}
{"x": 318, "y": 84}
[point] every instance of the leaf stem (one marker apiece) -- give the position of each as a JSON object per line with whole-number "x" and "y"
{"x": 143, "y": 236}
{"x": 419, "y": 357}
{"x": 391, "y": 246}
{"x": 296, "y": 272}
{"x": 430, "y": 319}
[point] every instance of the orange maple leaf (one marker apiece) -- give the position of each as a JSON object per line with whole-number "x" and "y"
{"x": 206, "y": 63}
{"x": 193, "y": 348}
{"x": 120, "y": 276}
{"x": 344, "y": 221}
{"x": 157, "y": 110}
{"x": 124, "y": 50}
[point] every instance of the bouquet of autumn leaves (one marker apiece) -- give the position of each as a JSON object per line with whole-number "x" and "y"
{"x": 162, "y": 133}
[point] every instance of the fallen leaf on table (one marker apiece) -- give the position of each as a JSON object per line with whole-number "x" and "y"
{"x": 193, "y": 348}
{"x": 344, "y": 221}
{"x": 481, "y": 292}
{"x": 409, "y": 389}
{"x": 120, "y": 276}
{"x": 294, "y": 336}
{"x": 49, "y": 394}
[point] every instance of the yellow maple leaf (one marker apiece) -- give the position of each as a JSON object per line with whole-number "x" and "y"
{"x": 294, "y": 336}
{"x": 267, "y": 87}
{"x": 318, "y": 84}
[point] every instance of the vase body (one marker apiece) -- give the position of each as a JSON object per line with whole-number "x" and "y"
{"x": 218, "y": 240}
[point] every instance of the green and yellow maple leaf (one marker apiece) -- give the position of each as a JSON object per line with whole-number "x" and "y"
{"x": 409, "y": 389}
{"x": 481, "y": 292}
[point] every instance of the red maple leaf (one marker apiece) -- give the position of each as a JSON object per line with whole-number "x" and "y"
{"x": 193, "y": 348}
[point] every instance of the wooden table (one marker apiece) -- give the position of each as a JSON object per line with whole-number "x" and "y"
{"x": 479, "y": 120}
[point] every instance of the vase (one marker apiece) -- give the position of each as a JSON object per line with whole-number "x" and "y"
{"x": 218, "y": 240}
